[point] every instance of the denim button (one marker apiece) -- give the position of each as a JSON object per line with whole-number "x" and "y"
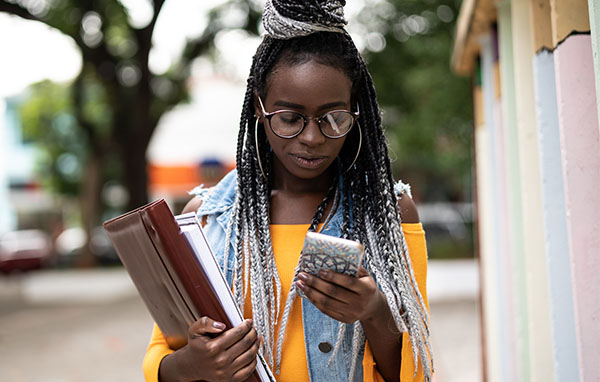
{"x": 325, "y": 347}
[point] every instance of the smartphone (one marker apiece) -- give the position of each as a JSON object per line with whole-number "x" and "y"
{"x": 328, "y": 252}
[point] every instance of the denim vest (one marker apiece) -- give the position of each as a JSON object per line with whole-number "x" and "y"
{"x": 320, "y": 330}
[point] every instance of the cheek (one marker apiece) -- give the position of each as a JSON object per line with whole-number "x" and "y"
{"x": 269, "y": 134}
{"x": 274, "y": 143}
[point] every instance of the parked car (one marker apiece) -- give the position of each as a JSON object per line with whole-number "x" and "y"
{"x": 25, "y": 250}
{"x": 449, "y": 229}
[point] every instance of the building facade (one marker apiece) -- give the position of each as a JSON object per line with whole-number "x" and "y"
{"x": 535, "y": 69}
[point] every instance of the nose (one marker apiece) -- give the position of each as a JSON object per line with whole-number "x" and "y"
{"x": 312, "y": 135}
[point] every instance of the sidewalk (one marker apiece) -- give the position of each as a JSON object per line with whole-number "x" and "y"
{"x": 447, "y": 280}
{"x": 452, "y": 280}
{"x": 69, "y": 286}
{"x": 453, "y": 288}
{"x": 92, "y": 323}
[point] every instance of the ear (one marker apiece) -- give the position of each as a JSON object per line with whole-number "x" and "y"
{"x": 257, "y": 112}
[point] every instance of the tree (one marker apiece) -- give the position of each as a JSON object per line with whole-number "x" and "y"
{"x": 426, "y": 108}
{"x": 47, "y": 115}
{"x": 116, "y": 100}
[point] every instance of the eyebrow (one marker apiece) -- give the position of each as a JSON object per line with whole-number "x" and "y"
{"x": 292, "y": 105}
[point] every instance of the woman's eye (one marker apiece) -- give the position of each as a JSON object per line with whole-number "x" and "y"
{"x": 335, "y": 119}
{"x": 289, "y": 118}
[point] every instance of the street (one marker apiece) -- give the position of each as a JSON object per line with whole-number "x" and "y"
{"x": 54, "y": 329}
{"x": 100, "y": 342}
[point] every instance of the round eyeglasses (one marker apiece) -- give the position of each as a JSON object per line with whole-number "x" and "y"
{"x": 289, "y": 124}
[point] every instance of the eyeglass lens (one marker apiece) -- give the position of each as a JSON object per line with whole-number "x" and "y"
{"x": 332, "y": 124}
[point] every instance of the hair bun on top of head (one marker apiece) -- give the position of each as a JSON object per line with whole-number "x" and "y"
{"x": 285, "y": 19}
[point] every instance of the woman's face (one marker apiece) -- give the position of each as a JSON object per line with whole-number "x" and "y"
{"x": 311, "y": 89}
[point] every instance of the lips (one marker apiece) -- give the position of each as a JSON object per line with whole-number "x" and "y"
{"x": 308, "y": 161}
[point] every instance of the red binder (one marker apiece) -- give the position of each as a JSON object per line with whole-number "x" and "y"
{"x": 167, "y": 274}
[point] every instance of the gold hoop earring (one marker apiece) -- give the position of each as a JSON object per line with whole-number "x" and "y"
{"x": 257, "y": 151}
{"x": 359, "y": 147}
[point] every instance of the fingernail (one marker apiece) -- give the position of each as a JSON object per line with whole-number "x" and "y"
{"x": 323, "y": 273}
{"x": 303, "y": 276}
{"x": 300, "y": 284}
{"x": 218, "y": 325}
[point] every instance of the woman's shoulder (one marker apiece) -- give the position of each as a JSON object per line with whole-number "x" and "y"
{"x": 193, "y": 204}
{"x": 408, "y": 210}
{"x": 406, "y": 205}
{"x": 214, "y": 199}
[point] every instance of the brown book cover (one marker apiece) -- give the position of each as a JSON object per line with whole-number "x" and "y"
{"x": 166, "y": 272}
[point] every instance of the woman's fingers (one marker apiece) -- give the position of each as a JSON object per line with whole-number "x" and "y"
{"x": 329, "y": 298}
{"x": 362, "y": 272}
{"x": 349, "y": 282}
{"x": 223, "y": 356}
{"x": 236, "y": 334}
{"x": 204, "y": 326}
{"x": 244, "y": 344}
{"x": 340, "y": 287}
{"x": 345, "y": 298}
{"x": 245, "y": 371}
{"x": 225, "y": 340}
{"x": 245, "y": 363}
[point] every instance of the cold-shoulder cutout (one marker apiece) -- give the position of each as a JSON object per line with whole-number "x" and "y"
{"x": 193, "y": 205}
{"x": 408, "y": 210}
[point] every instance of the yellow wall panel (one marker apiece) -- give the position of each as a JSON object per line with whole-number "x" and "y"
{"x": 568, "y": 16}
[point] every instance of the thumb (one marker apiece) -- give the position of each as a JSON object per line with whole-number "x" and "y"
{"x": 362, "y": 272}
{"x": 204, "y": 326}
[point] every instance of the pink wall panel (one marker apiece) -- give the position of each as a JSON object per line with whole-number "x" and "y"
{"x": 580, "y": 151}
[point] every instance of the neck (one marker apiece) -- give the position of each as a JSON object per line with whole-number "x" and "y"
{"x": 294, "y": 200}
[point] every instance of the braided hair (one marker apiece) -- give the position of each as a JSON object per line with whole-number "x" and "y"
{"x": 369, "y": 205}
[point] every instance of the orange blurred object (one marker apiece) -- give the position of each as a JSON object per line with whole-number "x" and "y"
{"x": 179, "y": 180}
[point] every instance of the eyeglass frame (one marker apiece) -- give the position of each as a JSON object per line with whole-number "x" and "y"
{"x": 306, "y": 119}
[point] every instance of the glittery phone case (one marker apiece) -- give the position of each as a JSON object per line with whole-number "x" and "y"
{"x": 328, "y": 252}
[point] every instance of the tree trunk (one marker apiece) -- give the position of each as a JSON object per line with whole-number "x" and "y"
{"x": 139, "y": 133}
{"x": 135, "y": 175}
{"x": 90, "y": 199}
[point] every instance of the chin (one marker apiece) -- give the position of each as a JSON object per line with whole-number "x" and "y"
{"x": 304, "y": 173}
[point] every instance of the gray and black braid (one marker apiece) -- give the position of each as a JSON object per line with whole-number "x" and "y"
{"x": 369, "y": 206}
{"x": 290, "y": 19}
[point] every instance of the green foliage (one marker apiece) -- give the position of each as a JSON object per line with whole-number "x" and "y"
{"x": 445, "y": 248}
{"x": 113, "y": 106}
{"x": 47, "y": 119}
{"x": 427, "y": 109}
{"x": 111, "y": 109}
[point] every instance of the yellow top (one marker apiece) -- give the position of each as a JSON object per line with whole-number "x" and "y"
{"x": 287, "y": 243}
{"x": 287, "y": 240}
{"x": 415, "y": 239}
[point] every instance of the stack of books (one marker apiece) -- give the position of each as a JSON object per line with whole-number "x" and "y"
{"x": 175, "y": 272}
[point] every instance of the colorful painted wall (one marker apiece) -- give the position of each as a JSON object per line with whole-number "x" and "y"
{"x": 535, "y": 66}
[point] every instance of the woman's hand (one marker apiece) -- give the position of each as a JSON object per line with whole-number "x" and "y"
{"x": 213, "y": 354}
{"x": 347, "y": 299}
{"x": 342, "y": 297}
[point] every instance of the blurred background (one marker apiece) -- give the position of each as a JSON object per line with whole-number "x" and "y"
{"x": 107, "y": 105}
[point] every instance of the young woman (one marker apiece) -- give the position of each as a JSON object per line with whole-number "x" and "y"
{"x": 311, "y": 156}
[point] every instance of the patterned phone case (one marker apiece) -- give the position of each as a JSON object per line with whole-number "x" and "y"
{"x": 328, "y": 252}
